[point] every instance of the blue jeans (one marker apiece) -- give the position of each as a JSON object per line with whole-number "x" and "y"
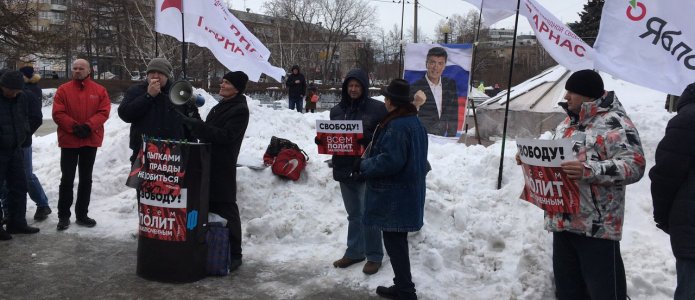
{"x": 361, "y": 241}
{"x": 685, "y": 270}
{"x": 34, "y": 188}
{"x": 296, "y": 101}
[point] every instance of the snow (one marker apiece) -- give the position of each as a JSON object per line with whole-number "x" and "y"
{"x": 478, "y": 242}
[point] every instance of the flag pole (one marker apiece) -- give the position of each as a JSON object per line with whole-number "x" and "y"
{"x": 470, "y": 87}
{"x": 509, "y": 89}
{"x": 183, "y": 43}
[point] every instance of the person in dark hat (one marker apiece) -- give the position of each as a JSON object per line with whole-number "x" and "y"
{"x": 34, "y": 188}
{"x": 296, "y": 87}
{"x": 608, "y": 156}
{"x": 224, "y": 128}
{"x": 148, "y": 108}
{"x": 395, "y": 167}
{"x": 14, "y": 109}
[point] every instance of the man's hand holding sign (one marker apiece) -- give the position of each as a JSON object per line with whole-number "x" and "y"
{"x": 550, "y": 174}
{"x": 340, "y": 137}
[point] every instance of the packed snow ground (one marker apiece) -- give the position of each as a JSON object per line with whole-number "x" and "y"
{"x": 478, "y": 242}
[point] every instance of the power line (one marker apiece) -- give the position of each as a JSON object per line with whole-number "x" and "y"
{"x": 427, "y": 8}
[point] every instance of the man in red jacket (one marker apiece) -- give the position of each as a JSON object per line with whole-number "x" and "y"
{"x": 80, "y": 108}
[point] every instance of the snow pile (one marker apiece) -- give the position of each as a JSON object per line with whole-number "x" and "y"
{"x": 478, "y": 242}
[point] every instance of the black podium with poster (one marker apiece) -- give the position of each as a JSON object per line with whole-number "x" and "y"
{"x": 172, "y": 182}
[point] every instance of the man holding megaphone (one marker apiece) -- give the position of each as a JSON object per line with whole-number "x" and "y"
{"x": 148, "y": 107}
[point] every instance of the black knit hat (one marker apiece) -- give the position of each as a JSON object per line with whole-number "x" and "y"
{"x": 238, "y": 79}
{"x": 586, "y": 83}
{"x": 13, "y": 80}
{"x": 28, "y": 71}
{"x": 398, "y": 91}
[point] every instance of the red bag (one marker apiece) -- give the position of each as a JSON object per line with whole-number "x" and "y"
{"x": 289, "y": 163}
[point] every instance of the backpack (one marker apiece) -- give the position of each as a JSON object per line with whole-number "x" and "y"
{"x": 217, "y": 239}
{"x": 286, "y": 159}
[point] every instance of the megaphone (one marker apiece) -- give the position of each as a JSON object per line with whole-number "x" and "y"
{"x": 182, "y": 92}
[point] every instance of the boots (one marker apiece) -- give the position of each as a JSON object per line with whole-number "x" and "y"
{"x": 4, "y": 236}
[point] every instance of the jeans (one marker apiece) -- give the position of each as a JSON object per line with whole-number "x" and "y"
{"x": 587, "y": 268}
{"x": 34, "y": 188}
{"x": 11, "y": 164}
{"x": 296, "y": 101}
{"x": 361, "y": 241}
{"x": 71, "y": 158}
{"x": 396, "y": 244}
{"x": 685, "y": 270}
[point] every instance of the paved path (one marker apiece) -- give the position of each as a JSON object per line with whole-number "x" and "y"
{"x": 66, "y": 265}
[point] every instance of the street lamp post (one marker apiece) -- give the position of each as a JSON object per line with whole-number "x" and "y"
{"x": 446, "y": 29}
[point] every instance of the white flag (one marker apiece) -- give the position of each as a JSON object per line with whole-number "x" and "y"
{"x": 494, "y": 10}
{"x": 562, "y": 44}
{"x": 209, "y": 24}
{"x": 648, "y": 42}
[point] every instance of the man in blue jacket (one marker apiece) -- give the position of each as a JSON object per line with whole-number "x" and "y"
{"x": 355, "y": 104}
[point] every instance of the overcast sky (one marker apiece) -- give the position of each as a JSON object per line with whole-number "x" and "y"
{"x": 432, "y": 11}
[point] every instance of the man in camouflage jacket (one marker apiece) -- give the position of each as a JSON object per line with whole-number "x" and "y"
{"x": 586, "y": 247}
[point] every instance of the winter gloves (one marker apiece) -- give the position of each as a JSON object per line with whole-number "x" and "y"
{"x": 81, "y": 131}
{"x": 192, "y": 123}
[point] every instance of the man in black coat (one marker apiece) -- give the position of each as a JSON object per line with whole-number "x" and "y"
{"x": 147, "y": 107}
{"x": 355, "y": 104}
{"x": 224, "y": 129}
{"x": 296, "y": 86}
{"x": 673, "y": 190}
{"x": 436, "y": 96}
{"x": 14, "y": 121}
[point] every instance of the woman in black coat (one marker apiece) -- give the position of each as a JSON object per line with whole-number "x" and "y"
{"x": 224, "y": 129}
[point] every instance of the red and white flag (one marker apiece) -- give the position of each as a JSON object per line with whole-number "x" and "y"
{"x": 561, "y": 43}
{"x": 209, "y": 24}
{"x": 648, "y": 42}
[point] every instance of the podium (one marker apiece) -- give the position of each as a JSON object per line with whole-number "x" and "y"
{"x": 173, "y": 194}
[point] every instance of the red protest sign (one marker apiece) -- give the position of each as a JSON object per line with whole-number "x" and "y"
{"x": 340, "y": 137}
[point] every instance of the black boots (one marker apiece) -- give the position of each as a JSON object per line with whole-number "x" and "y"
{"x": 42, "y": 213}
{"x": 23, "y": 229}
{"x": 387, "y": 292}
{"x": 63, "y": 223}
{"x": 86, "y": 222}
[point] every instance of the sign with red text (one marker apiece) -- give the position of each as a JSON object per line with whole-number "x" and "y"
{"x": 157, "y": 174}
{"x": 546, "y": 185}
{"x": 340, "y": 137}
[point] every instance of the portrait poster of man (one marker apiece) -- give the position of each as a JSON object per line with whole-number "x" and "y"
{"x": 438, "y": 77}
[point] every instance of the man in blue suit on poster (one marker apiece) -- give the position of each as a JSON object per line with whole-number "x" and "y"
{"x": 436, "y": 96}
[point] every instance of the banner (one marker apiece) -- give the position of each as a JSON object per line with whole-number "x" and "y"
{"x": 209, "y": 24}
{"x": 157, "y": 175}
{"x": 340, "y": 137}
{"x": 444, "y": 110}
{"x": 649, "y": 43}
{"x": 562, "y": 44}
{"x": 547, "y": 186}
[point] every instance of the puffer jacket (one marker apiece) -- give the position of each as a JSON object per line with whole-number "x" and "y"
{"x": 370, "y": 111}
{"x": 608, "y": 144}
{"x": 673, "y": 178}
{"x": 14, "y": 122}
{"x": 395, "y": 169}
{"x": 81, "y": 102}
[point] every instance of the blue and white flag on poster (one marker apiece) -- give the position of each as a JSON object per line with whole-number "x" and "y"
{"x": 441, "y": 81}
